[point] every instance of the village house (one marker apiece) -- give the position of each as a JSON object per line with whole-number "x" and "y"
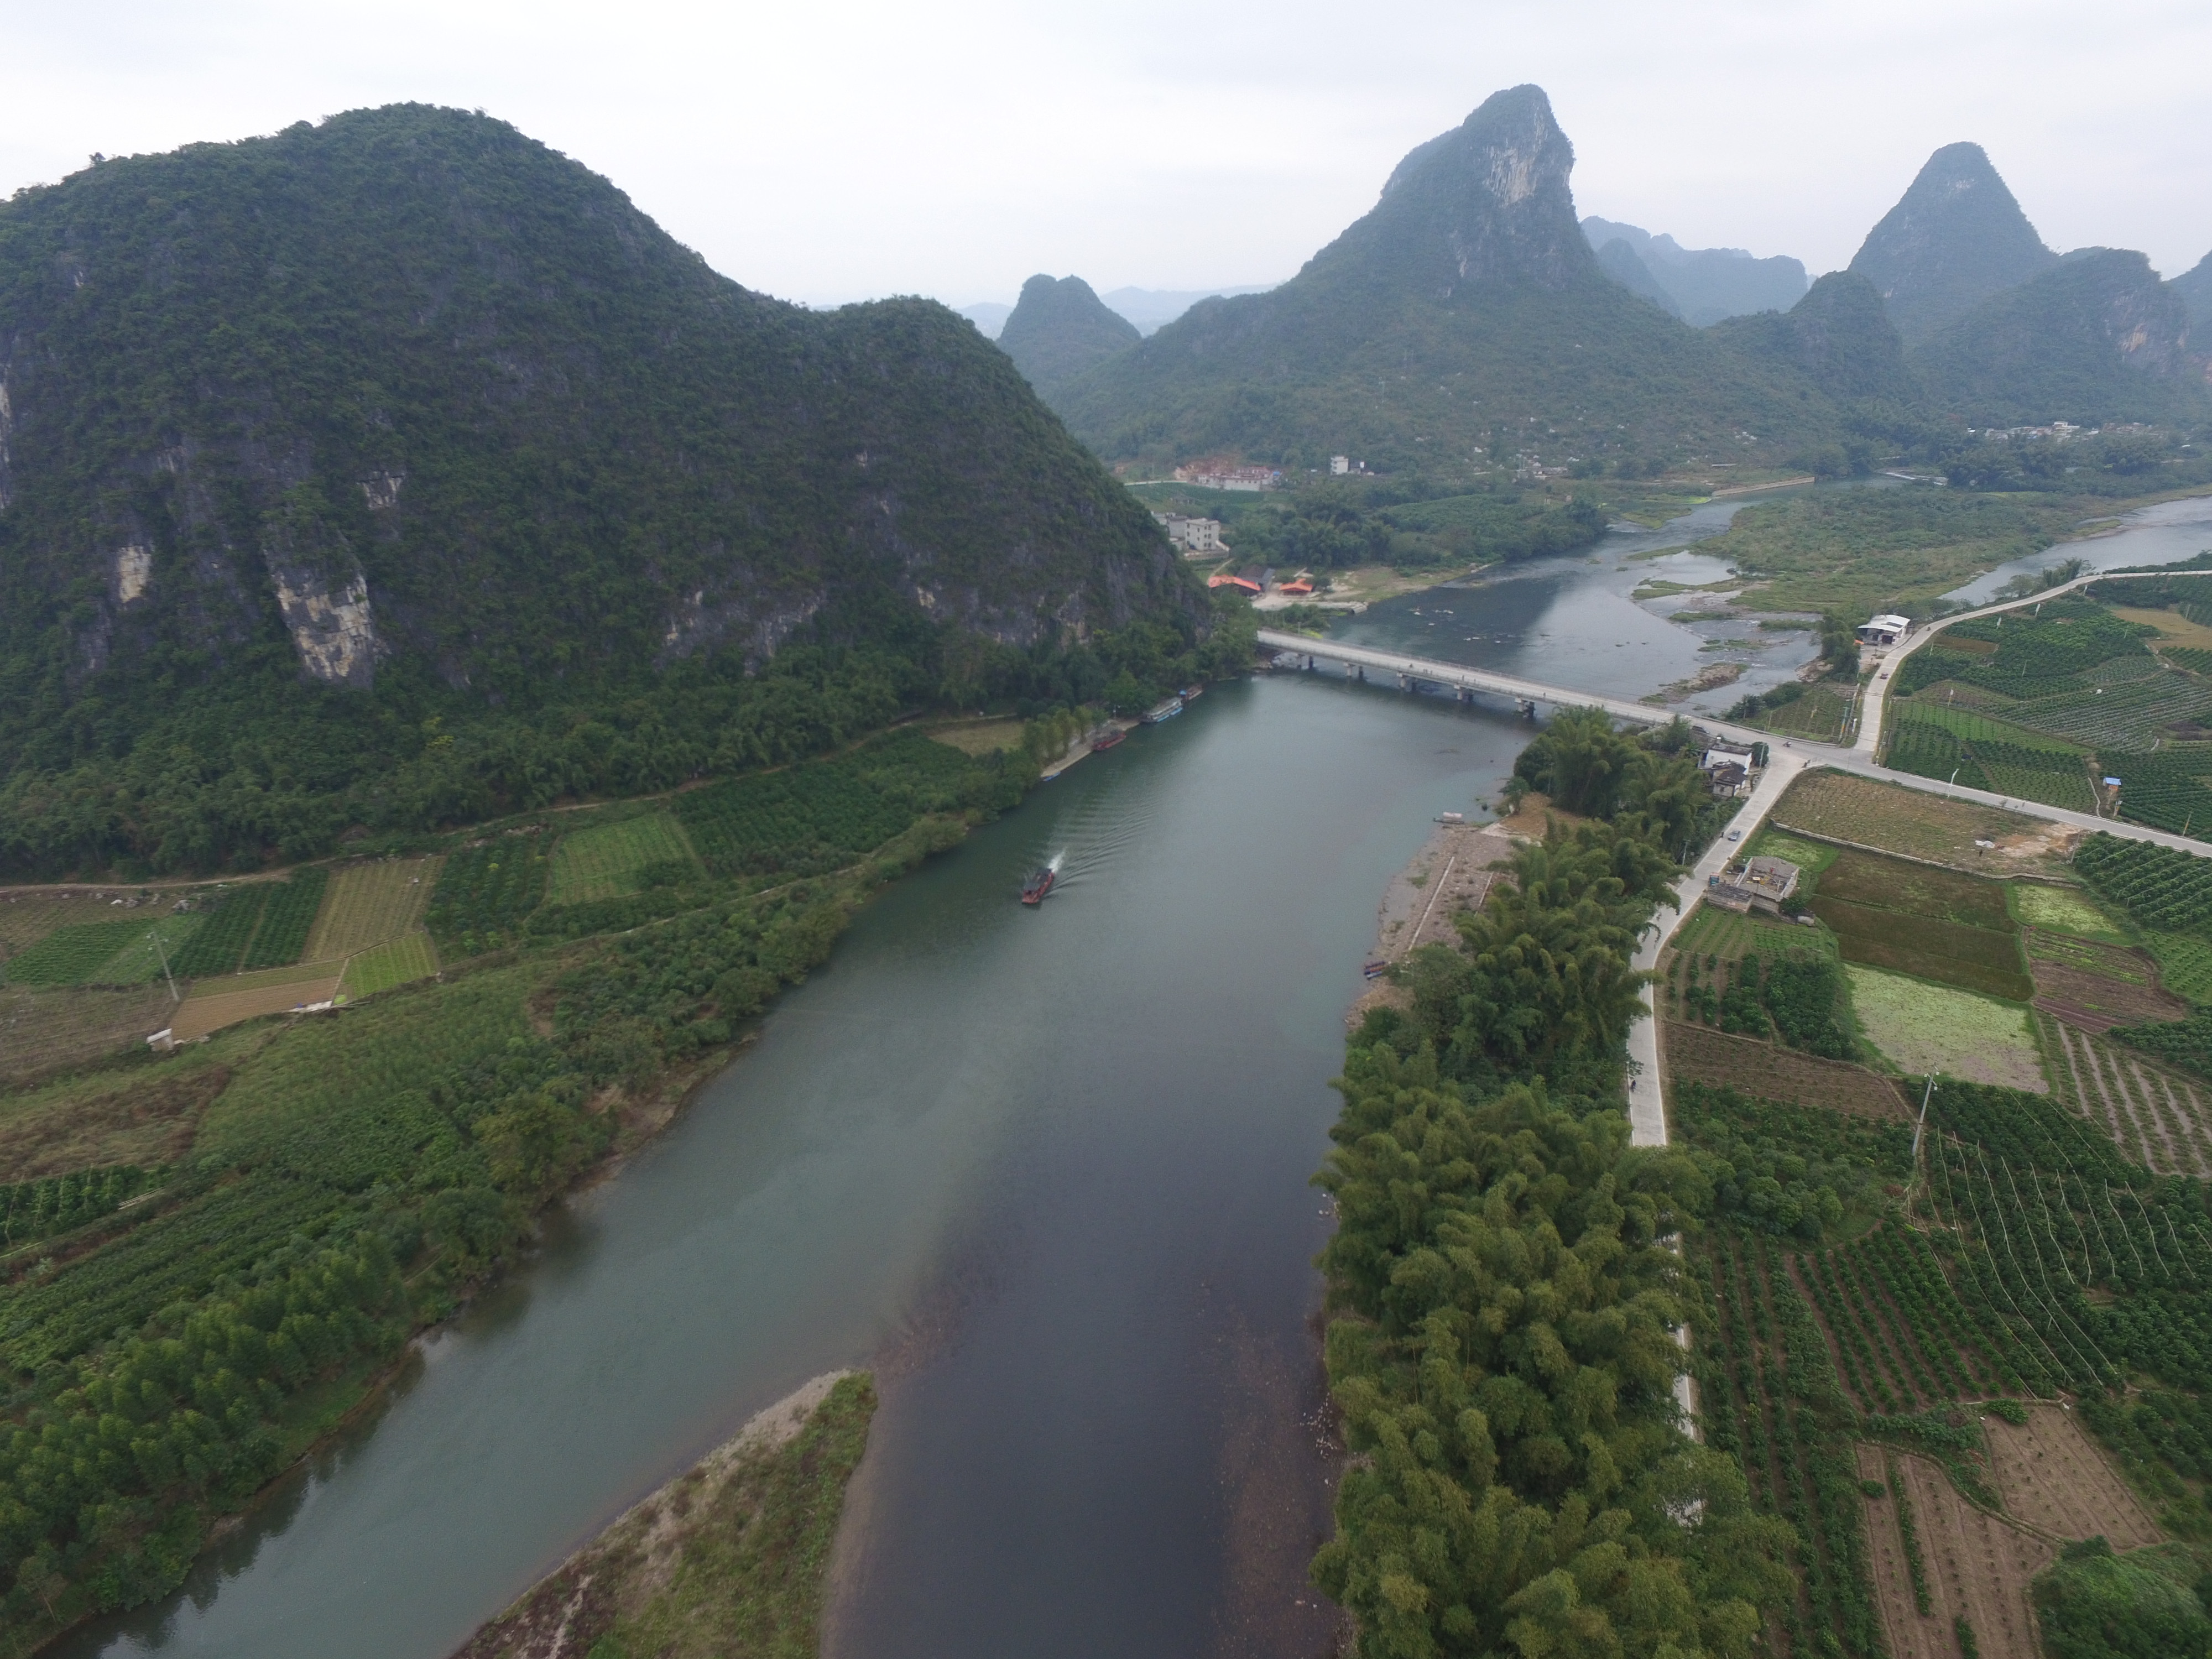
{"x": 1194, "y": 535}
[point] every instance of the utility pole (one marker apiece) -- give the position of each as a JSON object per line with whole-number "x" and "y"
{"x": 175, "y": 996}
{"x": 1923, "y": 1127}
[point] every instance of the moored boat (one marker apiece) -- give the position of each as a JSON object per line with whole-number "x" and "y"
{"x": 1167, "y": 711}
{"x": 1105, "y": 737}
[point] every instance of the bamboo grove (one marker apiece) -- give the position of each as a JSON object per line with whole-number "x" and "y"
{"x": 1503, "y": 1289}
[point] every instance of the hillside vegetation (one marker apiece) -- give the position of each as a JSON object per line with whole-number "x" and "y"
{"x": 397, "y": 471}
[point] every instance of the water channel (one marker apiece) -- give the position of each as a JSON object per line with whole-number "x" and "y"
{"x": 1047, "y": 1170}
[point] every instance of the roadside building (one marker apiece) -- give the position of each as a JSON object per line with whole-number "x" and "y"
{"x": 1193, "y": 535}
{"x": 1297, "y": 586}
{"x": 1771, "y": 880}
{"x": 1240, "y": 581}
{"x": 1884, "y": 631}
{"x": 1338, "y": 465}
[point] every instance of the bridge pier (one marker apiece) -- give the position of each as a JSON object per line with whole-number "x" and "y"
{"x": 1405, "y": 682}
{"x": 1466, "y": 695}
{"x": 1309, "y": 663}
{"x": 1359, "y": 672}
{"x": 1527, "y": 705}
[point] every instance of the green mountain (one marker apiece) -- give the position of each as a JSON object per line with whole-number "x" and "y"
{"x": 1706, "y": 283}
{"x": 2098, "y": 337}
{"x": 397, "y": 469}
{"x": 1058, "y": 329}
{"x": 1618, "y": 260}
{"x": 1467, "y": 310}
{"x": 2195, "y": 288}
{"x": 1838, "y": 336}
{"x": 1956, "y": 236}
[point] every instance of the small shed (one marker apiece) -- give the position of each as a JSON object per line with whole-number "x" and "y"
{"x": 1771, "y": 880}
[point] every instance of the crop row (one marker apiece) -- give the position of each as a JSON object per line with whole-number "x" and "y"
{"x": 287, "y": 917}
{"x": 1900, "y": 1330}
{"x": 35, "y": 1209}
{"x": 2126, "y": 717}
{"x": 73, "y": 955}
{"x": 487, "y": 891}
{"x": 1797, "y": 1464}
{"x": 2158, "y": 1120}
{"x": 2161, "y": 887}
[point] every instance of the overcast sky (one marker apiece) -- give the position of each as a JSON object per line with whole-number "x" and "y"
{"x": 827, "y": 151}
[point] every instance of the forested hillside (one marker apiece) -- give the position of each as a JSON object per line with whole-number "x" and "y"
{"x": 398, "y": 470}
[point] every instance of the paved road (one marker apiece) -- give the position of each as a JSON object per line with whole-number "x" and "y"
{"x": 1869, "y": 738}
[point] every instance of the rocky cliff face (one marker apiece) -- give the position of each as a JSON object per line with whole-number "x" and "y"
{"x": 409, "y": 393}
{"x": 1954, "y": 237}
{"x": 1058, "y": 329}
{"x": 2194, "y": 286}
{"x": 2098, "y": 337}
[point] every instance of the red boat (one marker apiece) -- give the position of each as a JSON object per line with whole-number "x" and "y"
{"x": 1105, "y": 737}
{"x": 1035, "y": 889}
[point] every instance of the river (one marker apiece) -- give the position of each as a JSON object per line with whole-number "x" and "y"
{"x": 1048, "y": 1170}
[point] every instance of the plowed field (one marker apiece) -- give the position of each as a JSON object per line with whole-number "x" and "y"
{"x": 1975, "y": 1565}
{"x": 369, "y": 905}
{"x": 200, "y": 1015}
{"x": 2053, "y": 1479}
{"x": 1699, "y": 1053}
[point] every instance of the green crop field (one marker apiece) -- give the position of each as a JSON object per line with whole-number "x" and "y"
{"x": 1727, "y": 936}
{"x": 485, "y": 892}
{"x": 2064, "y": 909}
{"x": 606, "y": 861}
{"x": 396, "y": 962}
{"x": 1921, "y": 1028}
{"x": 103, "y": 953}
{"x": 2184, "y": 964}
{"x": 1811, "y": 856}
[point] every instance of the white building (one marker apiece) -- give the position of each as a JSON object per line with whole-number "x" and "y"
{"x": 1192, "y": 536}
{"x": 1338, "y": 465}
{"x": 1884, "y": 631}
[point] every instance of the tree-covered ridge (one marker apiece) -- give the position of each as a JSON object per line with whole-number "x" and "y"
{"x": 1058, "y": 329}
{"x": 323, "y": 449}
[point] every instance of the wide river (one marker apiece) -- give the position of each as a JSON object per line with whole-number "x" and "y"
{"x": 1048, "y": 1171}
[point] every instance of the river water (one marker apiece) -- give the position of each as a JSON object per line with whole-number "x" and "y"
{"x": 1047, "y": 1170}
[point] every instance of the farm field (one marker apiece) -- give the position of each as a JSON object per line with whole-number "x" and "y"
{"x": 263, "y": 924}
{"x": 2051, "y": 1475}
{"x": 2096, "y": 986}
{"x": 1823, "y": 713}
{"x": 1975, "y": 1566}
{"x": 1967, "y": 748}
{"x": 2184, "y": 963}
{"x": 485, "y": 892}
{"x": 370, "y": 903}
{"x": 2159, "y": 1118}
{"x": 106, "y": 1118}
{"x": 2062, "y": 909}
{"x": 1699, "y": 1053}
{"x": 399, "y": 962}
{"x": 607, "y": 860}
{"x": 1922, "y": 1028}
{"x": 1900, "y": 1335}
{"x": 199, "y": 1014}
{"x": 1890, "y": 817}
{"x": 42, "y": 1031}
{"x": 1939, "y": 924}
{"x": 1811, "y": 856}
{"x": 1761, "y": 1395}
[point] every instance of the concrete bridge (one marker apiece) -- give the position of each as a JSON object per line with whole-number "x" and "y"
{"x": 1387, "y": 668}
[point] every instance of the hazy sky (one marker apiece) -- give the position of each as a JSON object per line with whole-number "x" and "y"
{"x": 829, "y": 151}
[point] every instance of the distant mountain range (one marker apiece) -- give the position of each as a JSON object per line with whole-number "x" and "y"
{"x": 1148, "y": 309}
{"x": 1706, "y": 284}
{"x": 1469, "y": 318}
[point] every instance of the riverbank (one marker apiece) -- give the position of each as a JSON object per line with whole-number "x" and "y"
{"x": 729, "y": 1556}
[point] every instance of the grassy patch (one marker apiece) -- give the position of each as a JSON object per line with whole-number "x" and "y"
{"x": 1921, "y": 1027}
{"x": 609, "y": 860}
{"x": 1915, "y": 889}
{"x": 979, "y": 737}
{"x": 728, "y": 1559}
{"x": 398, "y": 961}
{"x": 1864, "y": 550}
{"x": 1811, "y": 856}
{"x": 2063, "y": 909}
